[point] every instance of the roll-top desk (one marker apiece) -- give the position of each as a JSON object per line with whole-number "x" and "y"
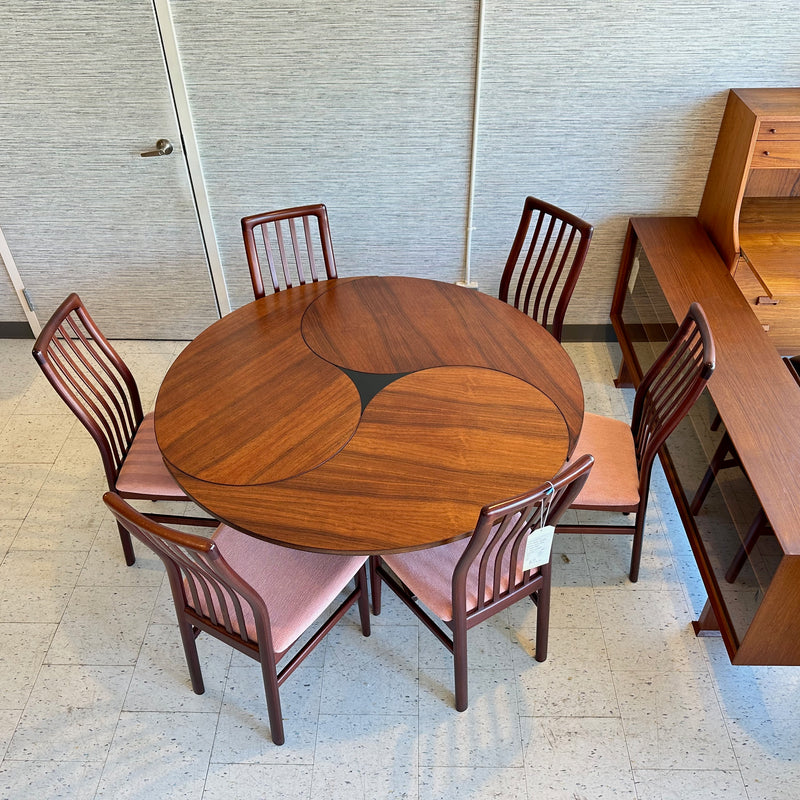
{"x": 751, "y": 206}
{"x": 740, "y": 259}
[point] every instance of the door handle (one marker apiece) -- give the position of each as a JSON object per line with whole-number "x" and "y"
{"x": 163, "y": 148}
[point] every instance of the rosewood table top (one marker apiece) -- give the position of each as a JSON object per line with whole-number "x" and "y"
{"x": 365, "y": 415}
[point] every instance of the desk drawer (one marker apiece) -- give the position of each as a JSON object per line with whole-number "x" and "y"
{"x": 769, "y": 131}
{"x": 776, "y": 154}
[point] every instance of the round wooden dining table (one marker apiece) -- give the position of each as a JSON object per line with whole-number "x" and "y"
{"x": 367, "y": 415}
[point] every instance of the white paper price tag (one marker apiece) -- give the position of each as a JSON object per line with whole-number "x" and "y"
{"x": 538, "y": 547}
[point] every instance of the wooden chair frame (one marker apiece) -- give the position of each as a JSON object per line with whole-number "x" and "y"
{"x": 557, "y": 247}
{"x": 292, "y": 259}
{"x": 665, "y": 395}
{"x": 496, "y": 549}
{"x": 97, "y": 386}
{"x": 197, "y": 569}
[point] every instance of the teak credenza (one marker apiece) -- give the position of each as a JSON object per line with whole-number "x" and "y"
{"x": 667, "y": 263}
{"x": 740, "y": 259}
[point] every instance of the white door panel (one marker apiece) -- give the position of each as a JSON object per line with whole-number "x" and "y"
{"x": 84, "y": 92}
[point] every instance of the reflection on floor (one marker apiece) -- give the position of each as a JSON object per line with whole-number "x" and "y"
{"x": 95, "y": 698}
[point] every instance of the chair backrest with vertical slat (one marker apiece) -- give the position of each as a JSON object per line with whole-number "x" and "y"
{"x": 92, "y": 380}
{"x": 672, "y": 385}
{"x": 293, "y": 243}
{"x": 545, "y": 261}
{"x": 202, "y": 582}
{"x": 491, "y": 567}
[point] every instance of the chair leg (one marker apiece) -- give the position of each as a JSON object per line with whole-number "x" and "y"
{"x": 190, "y": 651}
{"x": 460, "y": 665}
{"x": 757, "y": 527}
{"x": 636, "y": 550}
{"x": 273, "y": 700}
{"x": 543, "y": 618}
{"x": 375, "y": 585}
{"x": 362, "y": 583}
{"x": 127, "y": 546}
{"x": 717, "y": 463}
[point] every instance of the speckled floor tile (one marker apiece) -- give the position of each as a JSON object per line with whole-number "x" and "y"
{"x": 8, "y": 723}
{"x": 649, "y": 631}
{"x": 62, "y": 520}
{"x": 609, "y": 556}
{"x": 366, "y": 756}
{"x": 36, "y": 586}
{"x": 161, "y": 679}
{"x": 19, "y": 486}
{"x": 673, "y": 720}
{"x": 572, "y": 757}
{"x": 72, "y": 713}
{"x": 768, "y": 755}
{"x": 374, "y": 675}
{"x": 574, "y": 681}
{"x": 103, "y": 625}
{"x": 23, "y": 646}
{"x": 257, "y": 782}
{"x": 243, "y": 734}
{"x": 684, "y": 784}
{"x": 55, "y": 780}
{"x": 105, "y": 564}
{"x": 472, "y": 783}
{"x": 9, "y": 528}
{"x": 570, "y": 607}
{"x": 487, "y": 733}
{"x": 158, "y": 755}
{"x": 34, "y": 438}
{"x": 758, "y": 690}
{"x": 489, "y": 645}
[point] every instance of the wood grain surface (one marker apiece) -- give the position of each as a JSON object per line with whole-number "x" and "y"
{"x": 752, "y": 389}
{"x": 431, "y": 450}
{"x": 258, "y": 422}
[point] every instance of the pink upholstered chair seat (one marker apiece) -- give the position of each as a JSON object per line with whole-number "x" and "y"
{"x": 296, "y": 586}
{"x": 613, "y": 482}
{"x": 429, "y": 574}
{"x": 143, "y": 472}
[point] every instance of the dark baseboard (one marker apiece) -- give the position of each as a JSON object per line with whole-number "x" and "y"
{"x": 588, "y": 333}
{"x": 15, "y": 330}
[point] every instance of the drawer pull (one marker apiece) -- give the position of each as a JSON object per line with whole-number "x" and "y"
{"x": 766, "y": 152}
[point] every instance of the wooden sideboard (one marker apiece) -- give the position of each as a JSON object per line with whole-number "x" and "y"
{"x": 740, "y": 259}
{"x": 667, "y": 263}
{"x": 751, "y": 206}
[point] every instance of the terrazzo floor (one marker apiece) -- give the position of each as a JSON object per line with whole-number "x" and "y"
{"x": 95, "y": 700}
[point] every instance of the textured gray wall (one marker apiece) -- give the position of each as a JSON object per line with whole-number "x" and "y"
{"x": 365, "y": 106}
{"x": 608, "y": 108}
{"x": 611, "y": 109}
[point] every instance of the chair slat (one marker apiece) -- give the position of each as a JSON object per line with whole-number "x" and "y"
{"x": 299, "y": 251}
{"x": 546, "y": 258}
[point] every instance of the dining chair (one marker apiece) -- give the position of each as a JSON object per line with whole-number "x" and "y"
{"x": 545, "y": 262}
{"x": 624, "y": 454}
{"x": 465, "y": 582}
{"x": 297, "y": 259}
{"x": 92, "y": 379}
{"x": 258, "y": 597}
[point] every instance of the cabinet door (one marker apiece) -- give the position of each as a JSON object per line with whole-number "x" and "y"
{"x": 85, "y": 91}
